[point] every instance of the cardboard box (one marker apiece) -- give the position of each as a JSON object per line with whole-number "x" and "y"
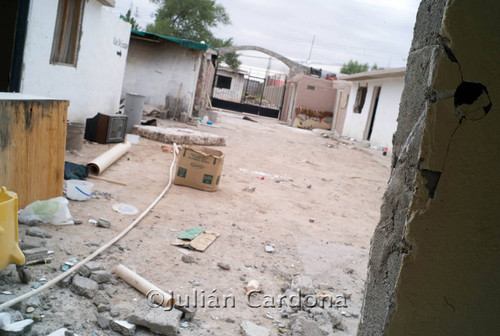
{"x": 199, "y": 167}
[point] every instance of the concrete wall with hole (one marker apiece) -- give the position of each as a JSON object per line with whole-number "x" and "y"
{"x": 162, "y": 72}
{"x": 385, "y": 123}
{"x": 433, "y": 266}
{"x": 94, "y": 84}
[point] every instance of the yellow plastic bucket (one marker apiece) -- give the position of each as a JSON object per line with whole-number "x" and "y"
{"x": 9, "y": 248}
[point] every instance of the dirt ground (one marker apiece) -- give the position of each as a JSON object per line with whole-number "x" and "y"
{"x": 318, "y": 204}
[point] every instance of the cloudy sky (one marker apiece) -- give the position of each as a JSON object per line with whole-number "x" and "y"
{"x": 369, "y": 31}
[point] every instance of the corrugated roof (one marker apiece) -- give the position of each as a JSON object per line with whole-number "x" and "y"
{"x": 385, "y": 73}
{"x": 182, "y": 42}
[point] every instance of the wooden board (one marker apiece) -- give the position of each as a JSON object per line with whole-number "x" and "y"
{"x": 32, "y": 148}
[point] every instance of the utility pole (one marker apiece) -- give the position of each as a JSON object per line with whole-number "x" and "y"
{"x": 310, "y": 51}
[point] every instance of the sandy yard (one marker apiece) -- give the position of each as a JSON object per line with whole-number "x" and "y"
{"x": 318, "y": 204}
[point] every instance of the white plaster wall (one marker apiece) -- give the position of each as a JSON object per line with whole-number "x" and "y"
{"x": 386, "y": 118}
{"x": 94, "y": 85}
{"x": 156, "y": 71}
{"x": 235, "y": 93}
{"x": 386, "y": 115}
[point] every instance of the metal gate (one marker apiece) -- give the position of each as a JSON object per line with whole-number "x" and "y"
{"x": 241, "y": 92}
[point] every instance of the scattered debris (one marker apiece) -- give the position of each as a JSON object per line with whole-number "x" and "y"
{"x": 166, "y": 148}
{"x": 35, "y": 231}
{"x": 311, "y": 220}
{"x": 224, "y": 266}
{"x": 161, "y": 321}
{"x": 125, "y": 209}
{"x": 89, "y": 267}
{"x": 100, "y": 276}
{"x": 253, "y": 286}
{"x": 250, "y": 189}
{"x": 35, "y": 255}
{"x": 332, "y": 145}
{"x": 249, "y": 119}
{"x": 152, "y": 292}
{"x": 84, "y": 286}
{"x": 348, "y": 270}
{"x": 62, "y": 332}
{"x": 196, "y": 239}
{"x": 269, "y": 248}
{"x": 102, "y": 194}
{"x": 123, "y": 327}
{"x": 104, "y": 223}
{"x": 249, "y": 328}
{"x": 188, "y": 259}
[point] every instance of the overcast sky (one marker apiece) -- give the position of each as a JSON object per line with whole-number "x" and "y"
{"x": 369, "y": 31}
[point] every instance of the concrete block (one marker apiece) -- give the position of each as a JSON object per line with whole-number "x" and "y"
{"x": 90, "y": 267}
{"x": 156, "y": 319}
{"x": 102, "y": 321}
{"x": 188, "y": 312}
{"x": 29, "y": 242}
{"x": 304, "y": 285}
{"x": 123, "y": 327}
{"x": 16, "y": 328}
{"x": 62, "y": 332}
{"x": 35, "y": 231}
{"x": 100, "y": 276}
{"x": 84, "y": 286}
{"x": 249, "y": 328}
{"x": 37, "y": 253}
{"x": 181, "y": 136}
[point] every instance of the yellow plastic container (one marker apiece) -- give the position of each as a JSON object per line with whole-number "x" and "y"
{"x": 9, "y": 248}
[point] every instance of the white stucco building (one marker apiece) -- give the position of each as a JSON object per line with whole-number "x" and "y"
{"x": 166, "y": 70}
{"x": 373, "y": 106}
{"x": 229, "y": 84}
{"x": 73, "y": 50}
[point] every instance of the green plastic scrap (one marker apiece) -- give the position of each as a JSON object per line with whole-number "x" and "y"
{"x": 191, "y": 234}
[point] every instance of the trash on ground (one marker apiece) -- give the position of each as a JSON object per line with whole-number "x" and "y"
{"x": 253, "y": 286}
{"x": 104, "y": 223}
{"x": 249, "y": 119}
{"x": 196, "y": 239}
{"x": 14, "y": 328}
{"x": 264, "y": 174}
{"x": 250, "y": 189}
{"x": 191, "y": 233}
{"x": 78, "y": 190}
{"x": 125, "y": 209}
{"x": 270, "y": 248}
{"x": 73, "y": 171}
{"x": 166, "y": 148}
{"x": 199, "y": 168}
{"x": 153, "y": 293}
{"x": 103, "y": 161}
{"x": 53, "y": 211}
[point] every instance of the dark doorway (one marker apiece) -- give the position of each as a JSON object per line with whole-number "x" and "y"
{"x": 13, "y": 24}
{"x": 373, "y": 111}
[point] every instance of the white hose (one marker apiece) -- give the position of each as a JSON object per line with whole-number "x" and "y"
{"x": 98, "y": 251}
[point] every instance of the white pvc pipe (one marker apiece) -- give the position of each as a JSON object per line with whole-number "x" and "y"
{"x": 106, "y": 159}
{"x": 99, "y": 250}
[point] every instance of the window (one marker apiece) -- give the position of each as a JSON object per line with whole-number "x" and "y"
{"x": 311, "y": 87}
{"x": 360, "y": 99}
{"x": 67, "y": 32}
{"x": 223, "y": 82}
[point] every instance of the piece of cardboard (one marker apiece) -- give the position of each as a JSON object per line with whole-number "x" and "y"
{"x": 200, "y": 243}
{"x": 199, "y": 167}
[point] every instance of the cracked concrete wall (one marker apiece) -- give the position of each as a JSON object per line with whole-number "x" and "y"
{"x": 433, "y": 265}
